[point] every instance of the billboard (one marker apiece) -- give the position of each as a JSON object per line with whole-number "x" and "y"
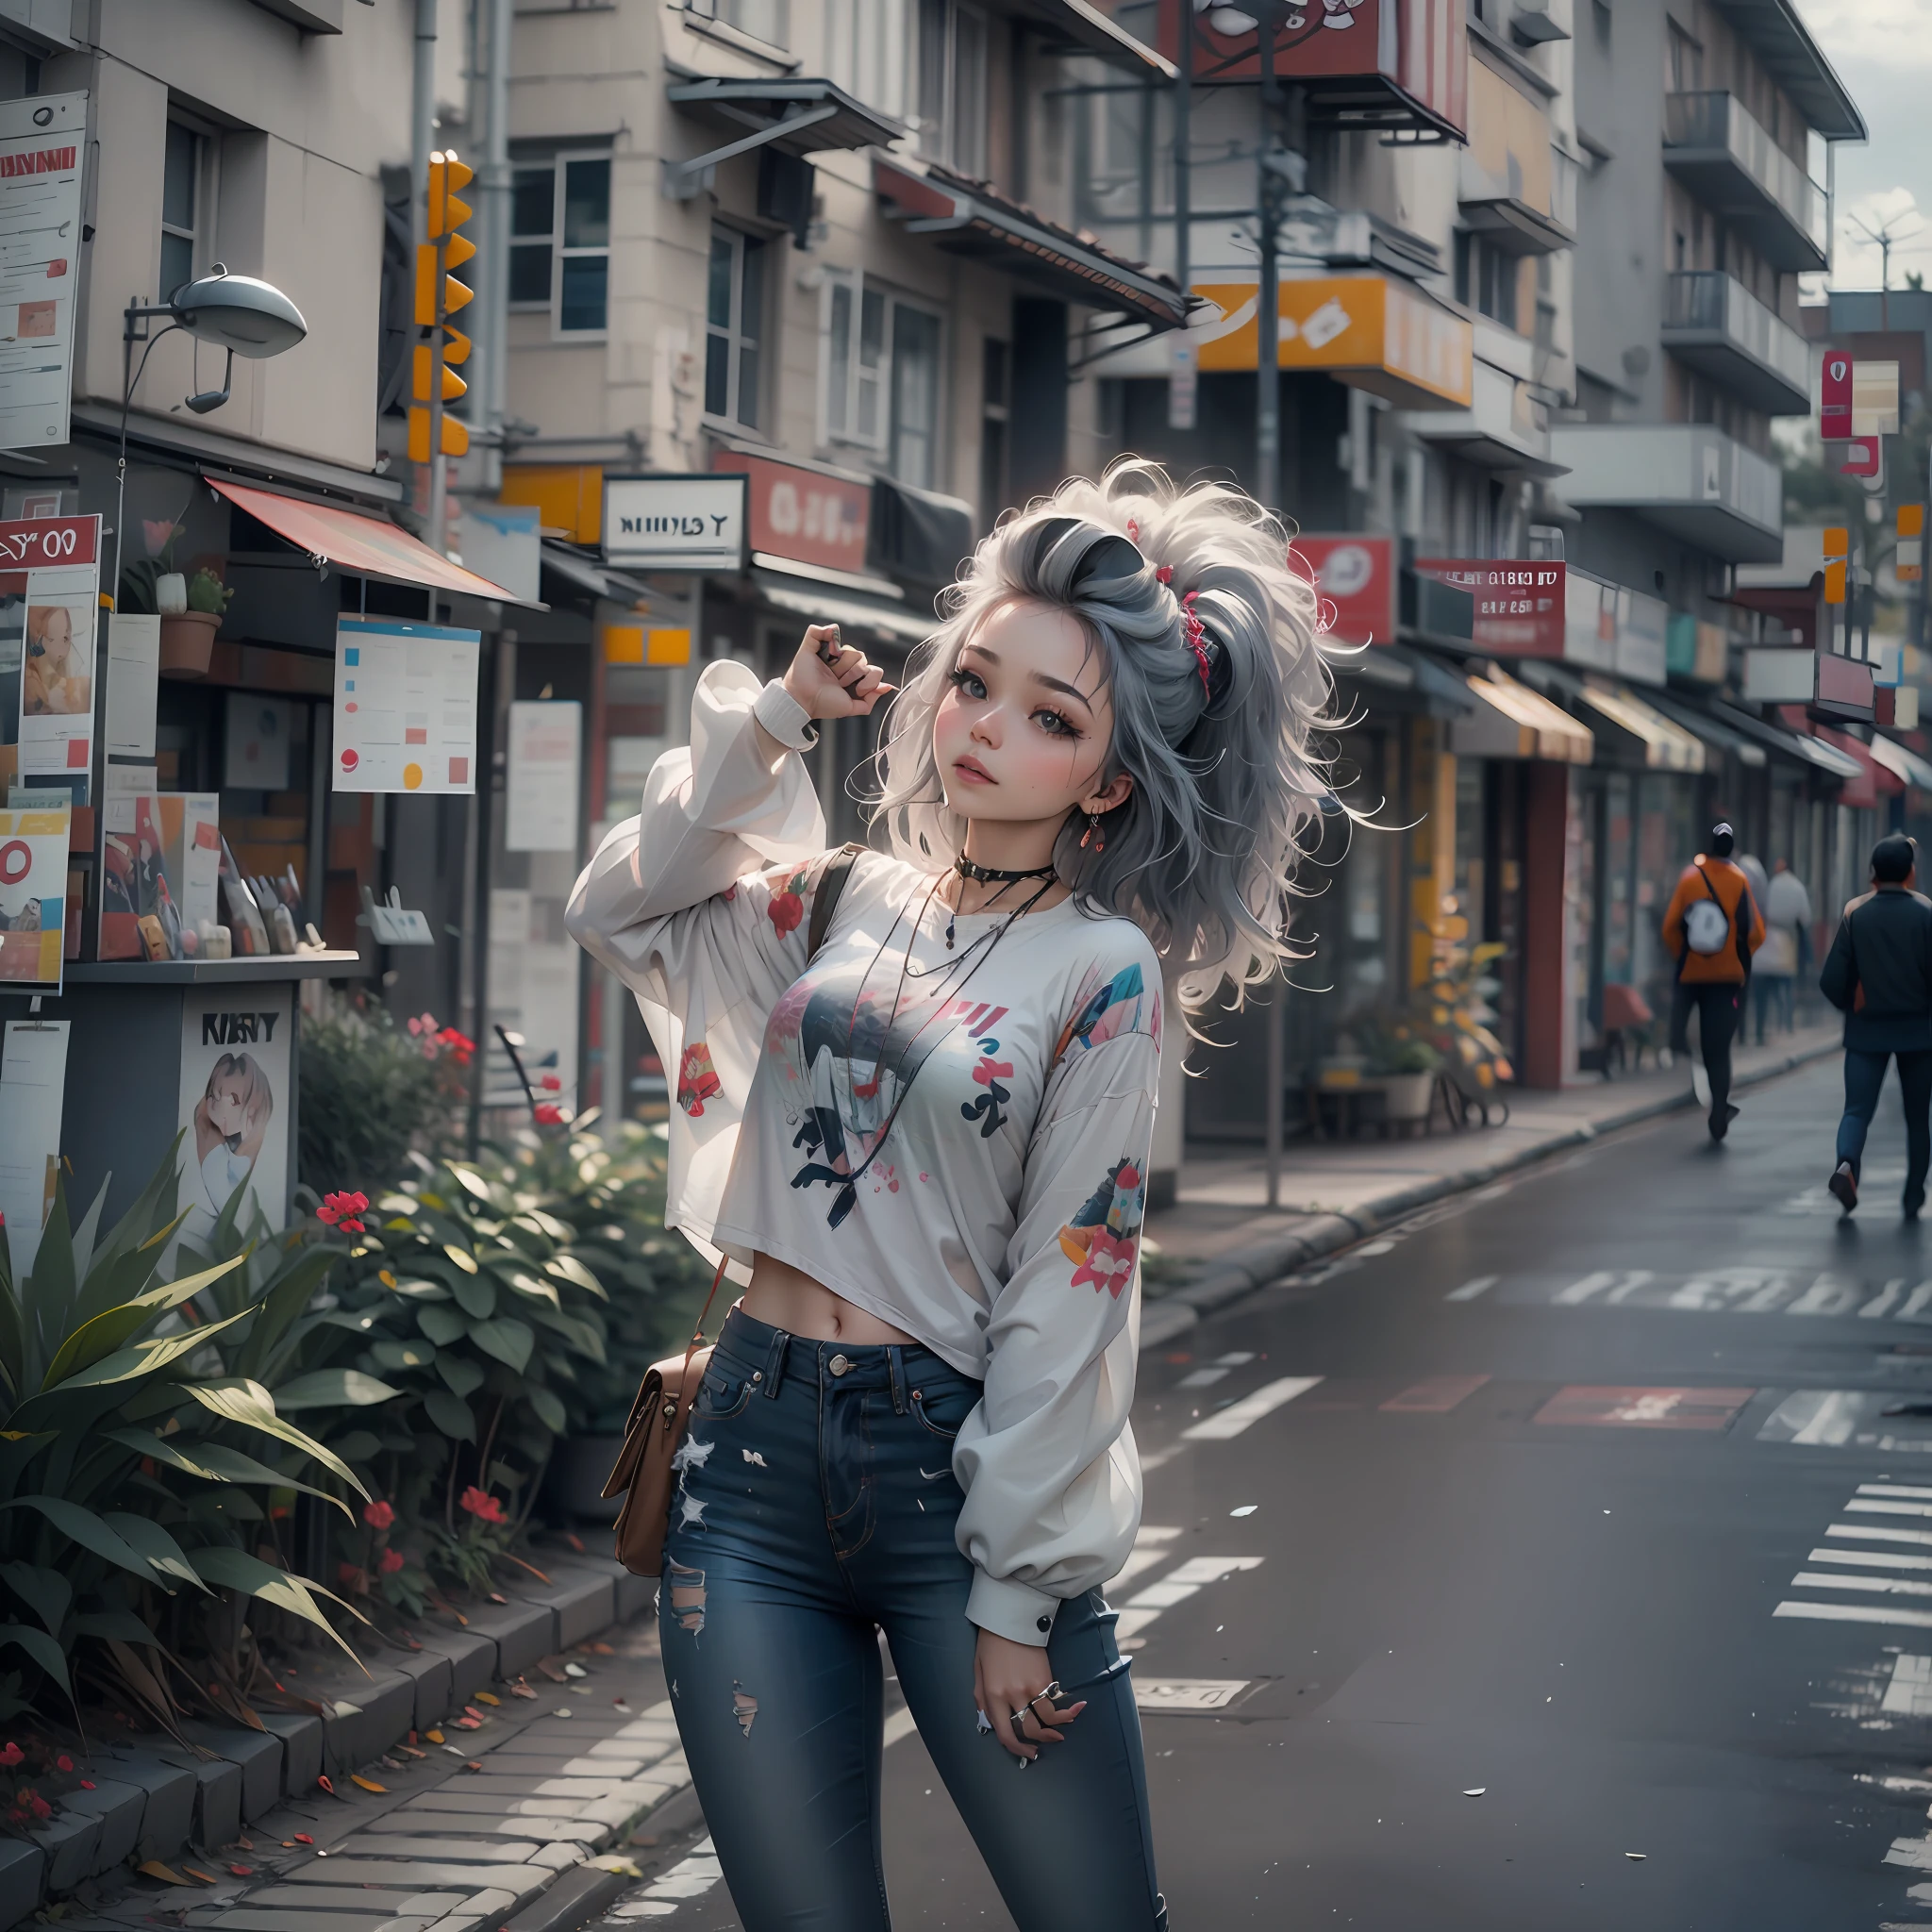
{"x": 1354, "y": 579}
{"x": 1519, "y": 606}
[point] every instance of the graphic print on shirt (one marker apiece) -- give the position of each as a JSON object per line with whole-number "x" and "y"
{"x": 1104, "y": 1233}
{"x": 1104, "y": 1009}
{"x": 855, "y": 1058}
{"x": 697, "y": 1079}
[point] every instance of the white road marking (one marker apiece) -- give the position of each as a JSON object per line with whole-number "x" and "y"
{"x": 1188, "y": 1694}
{"x": 1909, "y": 1693}
{"x": 1633, "y": 1279}
{"x": 1916, "y": 1302}
{"x": 1881, "y": 1586}
{"x": 1870, "y": 1560}
{"x": 1201, "y": 1378}
{"x": 1243, "y": 1414}
{"x": 1881, "y": 1302}
{"x": 1825, "y": 1296}
{"x": 1149, "y": 1547}
{"x": 1470, "y": 1289}
{"x": 1856, "y": 1613}
{"x": 1580, "y": 1291}
{"x": 1895, "y": 1489}
{"x": 1913, "y": 1853}
{"x": 1870, "y": 1505}
{"x": 1872, "y": 1533}
{"x": 1194, "y": 1574}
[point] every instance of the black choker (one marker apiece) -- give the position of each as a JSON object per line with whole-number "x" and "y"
{"x": 992, "y": 876}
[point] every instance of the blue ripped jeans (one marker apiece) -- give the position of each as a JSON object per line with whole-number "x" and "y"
{"x": 816, "y": 1506}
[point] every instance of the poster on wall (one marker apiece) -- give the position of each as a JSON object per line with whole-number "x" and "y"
{"x": 406, "y": 706}
{"x": 545, "y": 734}
{"x": 33, "y": 894}
{"x": 50, "y": 581}
{"x": 234, "y": 1112}
{"x": 42, "y": 147}
{"x": 33, "y": 1079}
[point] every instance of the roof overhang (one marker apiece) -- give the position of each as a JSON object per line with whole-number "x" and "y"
{"x": 1784, "y": 45}
{"x": 365, "y": 545}
{"x": 967, "y": 218}
{"x": 1902, "y": 762}
{"x": 1661, "y": 746}
{"x": 1517, "y": 722}
{"x": 1800, "y": 748}
{"x": 1073, "y": 26}
{"x": 796, "y": 117}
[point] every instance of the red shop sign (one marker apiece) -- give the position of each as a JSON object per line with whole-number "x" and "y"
{"x": 1519, "y": 606}
{"x": 807, "y": 515}
{"x": 1835, "y": 397}
{"x": 48, "y": 543}
{"x": 1354, "y": 578}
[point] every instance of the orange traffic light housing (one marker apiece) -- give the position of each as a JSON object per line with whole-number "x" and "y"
{"x": 437, "y": 296}
{"x": 446, "y": 213}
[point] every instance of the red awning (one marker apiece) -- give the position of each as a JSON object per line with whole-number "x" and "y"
{"x": 371, "y": 546}
{"x": 1862, "y": 792}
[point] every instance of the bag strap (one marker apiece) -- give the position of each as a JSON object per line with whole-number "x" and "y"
{"x": 697, "y": 1339}
{"x": 824, "y": 899}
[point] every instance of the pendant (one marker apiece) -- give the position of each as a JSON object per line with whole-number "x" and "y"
{"x": 949, "y": 933}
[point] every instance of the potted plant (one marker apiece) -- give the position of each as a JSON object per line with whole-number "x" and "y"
{"x": 1403, "y": 1064}
{"x": 187, "y": 642}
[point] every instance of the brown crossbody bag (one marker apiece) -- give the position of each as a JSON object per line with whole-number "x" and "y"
{"x": 661, "y": 1413}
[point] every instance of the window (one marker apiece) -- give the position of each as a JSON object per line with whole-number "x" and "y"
{"x": 994, "y": 401}
{"x": 952, "y": 85}
{"x": 734, "y": 326}
{"x": 865, "y": 51}
{"x": 881, "y": 376}
{"x": 181, "y": 207}
{"x": 560, "y": 257}
{"x": 1486, "y": 280}
{"x": 764, "y": 20}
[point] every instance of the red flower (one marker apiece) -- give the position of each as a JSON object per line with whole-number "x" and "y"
{"x": 457, "y": 1045}
{"x": 1165, "y": 573}
{"x": 697, "y": 1079}
{"x": 42, "y": 1810}
{"x": 551, "y": 1084}
{"x": 343, "y": 1212}
{"x": 379, "y": 1515}
{"x": 12, "y": 1755}
{"x": 349, "y": 1576}
{"x": 63, "y": 1762}
{"x": 392, "y": 1562}
{"x": 1109, "y": 1263}
{"x": 546, "y": 1113}
{"x": 483, "y": 1506}
{"x": 787, "y": 910}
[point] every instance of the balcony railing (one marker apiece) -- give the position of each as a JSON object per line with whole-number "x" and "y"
{"x": 1734, "y": 163}
{"x": 1712, "y": 321}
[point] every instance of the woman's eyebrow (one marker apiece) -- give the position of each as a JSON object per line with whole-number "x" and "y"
{"x": 1072, "y": 691}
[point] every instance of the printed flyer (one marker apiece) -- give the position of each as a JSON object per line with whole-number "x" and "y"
{"x": 50, "y": 581}
{"x": 406, "y": 706}
{"x": 33, "y": 895}
{"x": 234, "y": 1112}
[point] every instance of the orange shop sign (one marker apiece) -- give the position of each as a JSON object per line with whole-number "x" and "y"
{"x": 807, "y": 514}
{"x": 1370, "y": 331}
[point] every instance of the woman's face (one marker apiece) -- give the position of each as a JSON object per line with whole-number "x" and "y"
{"x": 57, "y": 633}
{"x": 227, "y": 1105}
{"x": 1023, "y": 733}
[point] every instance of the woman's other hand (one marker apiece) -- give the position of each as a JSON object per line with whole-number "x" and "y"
{"x": 833, "y": 680}
{"x": 1009, "y": 1676}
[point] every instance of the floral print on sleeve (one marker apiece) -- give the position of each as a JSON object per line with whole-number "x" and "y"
{"x": 1103, "y": 1235}
{"x": 697, "y": 1079}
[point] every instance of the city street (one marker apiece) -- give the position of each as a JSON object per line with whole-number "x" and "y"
{"x": 1539, "y": 1559}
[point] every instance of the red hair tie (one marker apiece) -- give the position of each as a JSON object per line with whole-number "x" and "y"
{"x": 1195, "y": 634}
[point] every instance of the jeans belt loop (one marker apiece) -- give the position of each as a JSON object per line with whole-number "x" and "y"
{"x": 775, "y": 1363}
{"x": 895, "y": 1362}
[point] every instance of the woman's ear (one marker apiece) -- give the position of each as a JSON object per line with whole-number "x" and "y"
{"x": 1113, "y": 792}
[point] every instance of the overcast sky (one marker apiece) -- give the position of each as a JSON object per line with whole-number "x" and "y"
{"x": 1883, "y": 52}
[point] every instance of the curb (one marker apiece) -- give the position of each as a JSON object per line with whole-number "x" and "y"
{"x": 1243, "y": 1271}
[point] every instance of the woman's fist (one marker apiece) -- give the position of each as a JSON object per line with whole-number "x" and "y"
{"x": 831, "y": 679}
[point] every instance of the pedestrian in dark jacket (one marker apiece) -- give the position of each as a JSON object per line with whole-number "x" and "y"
{"x": 1879, "y": 975}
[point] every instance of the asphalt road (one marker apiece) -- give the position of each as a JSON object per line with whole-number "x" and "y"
{"x": 1579, "y": 1548}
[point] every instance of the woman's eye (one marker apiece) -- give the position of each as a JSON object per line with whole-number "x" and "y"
{"x": 968, "y": 682}
{"x": 1054, "y": 724}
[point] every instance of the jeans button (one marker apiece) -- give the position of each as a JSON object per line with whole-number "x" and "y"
{"x": 838, "y": 1365}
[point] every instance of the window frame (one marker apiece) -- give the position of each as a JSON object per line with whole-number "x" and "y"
{"x": 882, "y": 445}
{"x": 199, "y": 236}
{"x": 940, "y": 139}
{"x": 558, "y": 164}
{"x": 733, "y": 333}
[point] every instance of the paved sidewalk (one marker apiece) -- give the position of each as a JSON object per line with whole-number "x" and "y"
{"x": 1334, "y": 1192}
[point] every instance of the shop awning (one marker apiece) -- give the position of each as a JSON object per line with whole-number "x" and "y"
{"x": 1875, "y": 781}
{"x": 1428, "y": 684}
{"x": 599, "y": 579}
{"x": 1511, "y": 721}
{"x": 966, "y": 217}
{"x": 844, "y": 607}
{"x": 369, "y": 546}
{"x": 1902, "y": 762}
{"x": 1661, "y": 746}
{"x": 1715, "y": 734}
{"x": 1800, "y": 748}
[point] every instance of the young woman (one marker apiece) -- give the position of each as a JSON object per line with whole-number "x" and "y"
{"x": 926, "y": 1150}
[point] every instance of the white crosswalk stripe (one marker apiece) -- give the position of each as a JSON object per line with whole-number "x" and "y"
{"x": 1743, "y": 1289}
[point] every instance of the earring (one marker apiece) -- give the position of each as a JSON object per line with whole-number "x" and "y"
{"x": 1094, "y": 833}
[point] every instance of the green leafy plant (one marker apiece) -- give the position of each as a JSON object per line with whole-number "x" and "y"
{"x": 207, "y": 592}
{"x": 1394, "y": 1042}
{"x": 127, "y": 1498}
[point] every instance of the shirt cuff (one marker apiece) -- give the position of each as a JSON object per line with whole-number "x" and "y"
{"x": 1016, "y": 1611}
{"x": 783, "y": 717}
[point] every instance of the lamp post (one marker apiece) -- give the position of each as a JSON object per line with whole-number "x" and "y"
{"x": 246, "y": 316}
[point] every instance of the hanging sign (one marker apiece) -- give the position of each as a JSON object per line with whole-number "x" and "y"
{"x": 1835, "y": 397}
{"x": 541, "y": 812}
{"x": 50, "y": 581}
{"x": 406, "y": 706}
{"x": 42, "y": 143}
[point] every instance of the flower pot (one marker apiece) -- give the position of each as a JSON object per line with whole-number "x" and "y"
{"x": 171, "y": 593}
{"x": 188, "y": 643}
{"x": 1407, "y": 1096}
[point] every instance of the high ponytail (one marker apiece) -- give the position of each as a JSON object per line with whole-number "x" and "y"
{"x": 1217, "y": 685}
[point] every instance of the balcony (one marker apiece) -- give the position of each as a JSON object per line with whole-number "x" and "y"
{"x": 1688, "y": 477}
{"x": 1504, "y": 430}
{"x": 1716, "y": 325}
{"x": 1724, "y": 157}
{"x": 1514, "y": 214}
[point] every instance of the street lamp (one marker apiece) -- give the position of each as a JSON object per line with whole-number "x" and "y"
{"x": 246, "y": 316}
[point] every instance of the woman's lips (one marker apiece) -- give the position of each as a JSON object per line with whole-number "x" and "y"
{"x": 973, "y": 772}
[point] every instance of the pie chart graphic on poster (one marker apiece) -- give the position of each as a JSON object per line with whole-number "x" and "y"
{"x": 405, "y": 706}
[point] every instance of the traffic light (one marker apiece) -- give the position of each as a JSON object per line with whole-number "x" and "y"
{"x": 439, "y": 297}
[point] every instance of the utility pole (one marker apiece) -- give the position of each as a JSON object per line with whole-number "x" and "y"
{"x": 1182, "y": 390}
{"x": 1884, "y": 239}
{"x": 494, "y": 181}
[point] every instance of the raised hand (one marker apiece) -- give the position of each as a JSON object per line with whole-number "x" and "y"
{"x": 833, "y": 680}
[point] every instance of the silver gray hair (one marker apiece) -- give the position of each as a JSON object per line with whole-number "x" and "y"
{"x": 1203, "y": 853}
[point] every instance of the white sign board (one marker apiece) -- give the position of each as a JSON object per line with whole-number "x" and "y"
{"x": 43, "y": 144}
{"x": 1775, "y": 677}
{"x": 545, "y": 740}
{"x": 406, "y": 706}
{"x": 675, "y": 522}
{"x": 134, "y": 683}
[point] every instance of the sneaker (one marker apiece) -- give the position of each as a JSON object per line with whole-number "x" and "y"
{"x": 1844, "y": 1186}
{"x": 1700, "y": 1085}
{"x": 1914, "y": 1203}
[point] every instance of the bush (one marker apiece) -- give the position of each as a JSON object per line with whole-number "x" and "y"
{"x": 373, "y": 1092}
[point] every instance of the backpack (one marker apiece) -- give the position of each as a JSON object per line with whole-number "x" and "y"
{"x": 1707, "y": 925}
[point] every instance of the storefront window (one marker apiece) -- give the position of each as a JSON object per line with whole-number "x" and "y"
{"x": 1470, "y": 871}
{"x": 1618, "y": 884}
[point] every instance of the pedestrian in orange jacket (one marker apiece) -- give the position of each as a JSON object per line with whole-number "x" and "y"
{"x": 1711, "y": 929}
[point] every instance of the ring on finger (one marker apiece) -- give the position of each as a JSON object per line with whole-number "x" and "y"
{"x": 1051, "y": 1692}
